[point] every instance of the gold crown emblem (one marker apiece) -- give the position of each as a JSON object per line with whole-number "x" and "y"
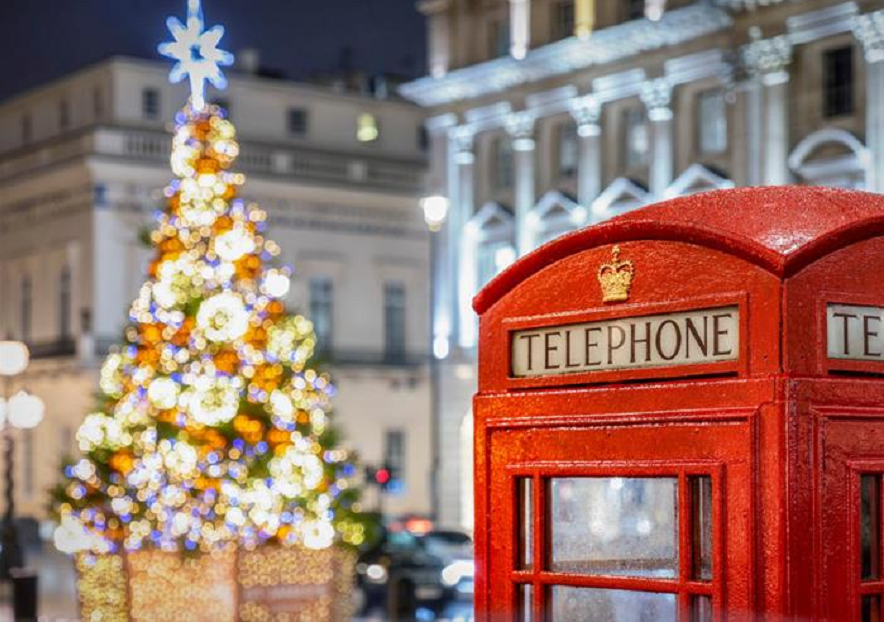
{"x": 616, "y": 278}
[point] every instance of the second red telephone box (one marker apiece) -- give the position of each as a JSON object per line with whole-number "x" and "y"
{"x": 681, "y": 415}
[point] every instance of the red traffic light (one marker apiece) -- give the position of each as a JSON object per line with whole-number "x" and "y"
{"x": 382, "y": 476}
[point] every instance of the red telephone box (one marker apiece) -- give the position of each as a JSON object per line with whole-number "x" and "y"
{"x": 681, "y": 416}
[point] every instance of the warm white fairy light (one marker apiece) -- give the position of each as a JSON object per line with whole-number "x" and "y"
{"x": 276, "y": 284}
{"x": 318, "y": 534}
{"x": 212, "y": 399}
{"x": 98, "y": 429}
{"x": 163, "y": 393}
{"x": 233, "y": 244}
{"x": 281, "y": 406}
{"x": 223, "y": 317}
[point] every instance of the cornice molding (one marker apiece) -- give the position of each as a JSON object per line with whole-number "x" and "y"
{"x": 586, "y": 108}
{"x": 375, "y": 171}
{"x": 826, "y": 22}
{"x": 431, "y": 7}
{"x": 869, "y": 30}
{"x": 440, "y": 123}
{"x": 747, "y": 5}
{"x": 572, "y": 54}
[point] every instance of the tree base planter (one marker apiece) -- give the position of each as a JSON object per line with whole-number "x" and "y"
{"x": 268, "y": 584}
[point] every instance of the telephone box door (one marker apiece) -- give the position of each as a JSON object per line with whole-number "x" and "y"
{"x": 622, "y": 518}
{"x": 851, "y": 513}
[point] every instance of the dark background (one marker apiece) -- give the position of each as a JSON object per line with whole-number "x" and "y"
{"x": 44, "y": 39}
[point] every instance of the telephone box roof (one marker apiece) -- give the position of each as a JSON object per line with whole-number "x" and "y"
{"x": 781, "y": 229}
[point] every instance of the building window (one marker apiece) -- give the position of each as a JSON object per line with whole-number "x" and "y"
{"x": 499, "y": 38}
{"x": 27, "y": 304}
{"x": 150, "y": 104}
{"x": 394, "y": 320}
{"x": 367, "y": 128}
{"x": 567, "y": 150}
{"x": 26, "y": 129}
{"x": 394, "y": 456}
{"x": 493, "y": 258}
{"x": 297, "y": 122}
{"x": 636, "y": 141}
{"x": 838, "y": 82}
{"x": 503, "y": 164}
{"x": 712, "y": 121}
{"x": 423, "y": 138}
{"x": 322, "y": 311}
{"x": 64, "y": 303}
{"x": 64, "y": 115}
{"x": 563, "y": 19}
{"x": 98, "y": 103}
{"x": 633, "y": 9}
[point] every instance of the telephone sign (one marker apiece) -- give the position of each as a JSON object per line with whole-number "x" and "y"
{"x": 651, "y": 341}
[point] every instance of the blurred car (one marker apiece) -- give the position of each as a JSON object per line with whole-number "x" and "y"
{"x": 417, "y": 575}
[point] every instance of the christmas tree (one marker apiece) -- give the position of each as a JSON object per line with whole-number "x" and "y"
{"x": 212, "y": 428}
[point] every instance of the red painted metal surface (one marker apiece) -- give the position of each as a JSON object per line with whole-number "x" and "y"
{"x": 784, "y": 432}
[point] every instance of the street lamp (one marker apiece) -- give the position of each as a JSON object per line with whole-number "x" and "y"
{"x": 23, "y": 411}
{"x": 435, "y": 208}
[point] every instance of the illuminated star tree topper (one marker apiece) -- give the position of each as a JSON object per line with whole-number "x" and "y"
{"x": 196, "y": 52}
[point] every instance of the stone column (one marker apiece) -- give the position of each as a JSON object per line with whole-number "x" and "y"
{"x": 586, "y": 112}
{"x": 520, "y": 27}
{"x": 461, "y": 244}
{"x": 767, "y": 60}
{"x": 438, "y": 35}
{"x": 520, "y": 127}
{"x": 869, "y": 30}
{"x": 754, "y": 132}
{"x": 656, "y": 96}
{"x": 442, "y": 279}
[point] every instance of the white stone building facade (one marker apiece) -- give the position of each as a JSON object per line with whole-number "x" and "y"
{"x": 550, "y": 115}
{"x": 83, "y": 162}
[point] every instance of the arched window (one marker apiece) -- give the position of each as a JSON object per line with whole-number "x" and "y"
{"x": 637, "y": 140}
{"x": 567, "y": 150}
{"x": 831, "y": 157}
{"x": 64, "y": 303}
{"x": 503, "y": 164}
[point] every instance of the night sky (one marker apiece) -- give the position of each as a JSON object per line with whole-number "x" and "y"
{"x": 45, "y": 39}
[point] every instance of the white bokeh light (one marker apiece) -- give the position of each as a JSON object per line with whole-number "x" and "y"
{"x": 276, "y": 284}
{"x": 223, "y": 317}
{"x": 14, "y": 358}
{"x": 24, "y": 410}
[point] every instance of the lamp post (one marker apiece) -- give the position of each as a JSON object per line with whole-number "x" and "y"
{"x": 23, "y": 411}
{"x": 435, "y": 210}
